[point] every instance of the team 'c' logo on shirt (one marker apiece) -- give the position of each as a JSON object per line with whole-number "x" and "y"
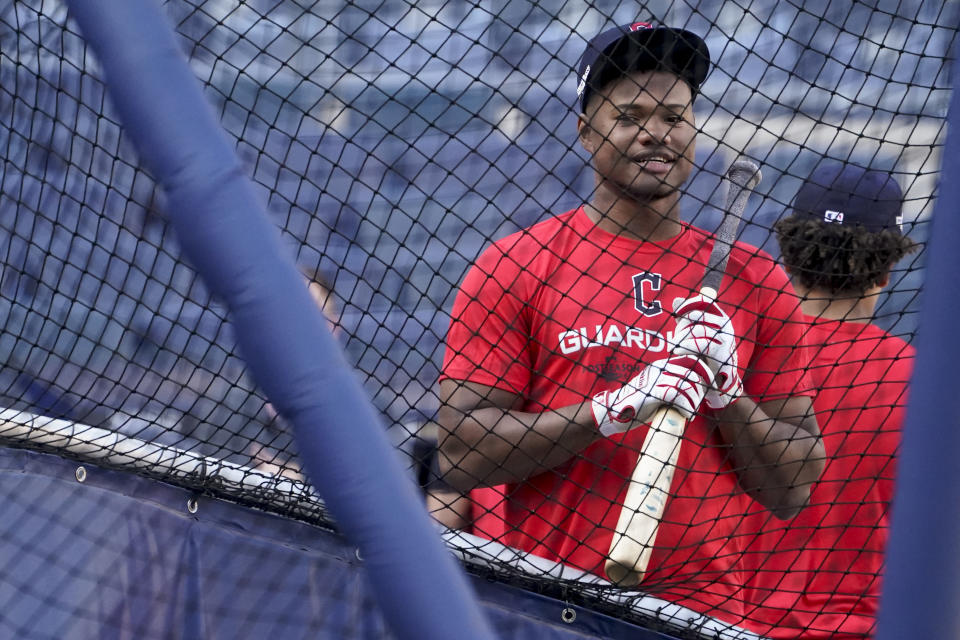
{"x": 645, "y": 285}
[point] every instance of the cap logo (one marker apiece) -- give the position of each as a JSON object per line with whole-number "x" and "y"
{"x": 583, "y": 81}
{"x": 833, "y": 216}
{"x": 636, "y": 26}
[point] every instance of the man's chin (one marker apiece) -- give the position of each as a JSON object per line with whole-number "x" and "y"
{"x": 650, "y": 193}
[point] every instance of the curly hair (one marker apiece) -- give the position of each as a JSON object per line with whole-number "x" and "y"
{"x": 836, "y": 258}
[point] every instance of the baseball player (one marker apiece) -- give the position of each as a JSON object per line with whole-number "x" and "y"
{"x": 820, "y": 574}
{"x": 567, "y": 336}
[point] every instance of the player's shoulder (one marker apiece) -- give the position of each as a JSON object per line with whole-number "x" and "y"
{"x": 537, "y": 234}
{"x": 861, "y": 341}
{"x": 753, "y": 257}
{"x": 750, "y": 263}
{"x": 528, "y": 244}
{"x": 876, "y": 332}
{"x": 890, "y": 355}
{"x": 760, "y": 268}
{"x": 742, "y": 253}
{"x": 893, "y": 344}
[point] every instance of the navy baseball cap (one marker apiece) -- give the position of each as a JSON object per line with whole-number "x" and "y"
{"x": 850, "y": 195}
{"x": 641, "y": 46}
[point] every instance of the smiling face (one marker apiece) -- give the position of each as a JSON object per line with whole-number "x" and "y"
{"x": 640, "y": 132}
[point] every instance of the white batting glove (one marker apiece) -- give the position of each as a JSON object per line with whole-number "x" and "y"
{"x": 705, "y": 330}
{"x": 680, "y": 381}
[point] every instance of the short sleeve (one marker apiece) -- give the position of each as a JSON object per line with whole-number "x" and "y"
{"x": 487, "y": 341}
{"x": 780, "y": 366}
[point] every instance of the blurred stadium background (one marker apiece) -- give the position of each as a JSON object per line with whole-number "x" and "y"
{"x": 391, "y": 141}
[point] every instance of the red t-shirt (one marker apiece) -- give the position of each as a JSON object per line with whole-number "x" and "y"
{"x": 822, "y": 577}
{"x": 564, "y": 310}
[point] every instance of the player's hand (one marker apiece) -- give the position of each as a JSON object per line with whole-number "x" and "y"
{"x": 680, "y": 381}
{"x": 705, "y": 330}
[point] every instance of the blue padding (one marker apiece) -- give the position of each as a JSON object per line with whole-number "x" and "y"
{"x": 922, "y": 583}
{"x": 225, "y": 232}
{"x": 120, "y": 556}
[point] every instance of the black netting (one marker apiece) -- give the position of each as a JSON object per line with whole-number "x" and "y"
{"x": 393, "y": 144}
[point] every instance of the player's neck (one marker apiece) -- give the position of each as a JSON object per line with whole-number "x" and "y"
{"x": 826, "y": 306}
{"x": 652, "y": 221}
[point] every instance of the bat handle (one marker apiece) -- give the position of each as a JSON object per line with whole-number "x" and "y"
{"x": 646, "y": 499}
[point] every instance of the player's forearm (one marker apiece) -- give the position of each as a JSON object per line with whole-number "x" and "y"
{"x": 777, "y": 460}
{"x": 492, "y": 446}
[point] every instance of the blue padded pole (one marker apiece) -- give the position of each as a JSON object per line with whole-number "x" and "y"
{"x": 921, "y": 593}
{"x": 229, "y": 238}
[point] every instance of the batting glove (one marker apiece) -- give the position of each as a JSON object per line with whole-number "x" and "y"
{"x": 705, "y": 330}
{"x": 679, "y": 381}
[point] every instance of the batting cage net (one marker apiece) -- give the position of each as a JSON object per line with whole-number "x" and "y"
{"x": 455, "y": 224}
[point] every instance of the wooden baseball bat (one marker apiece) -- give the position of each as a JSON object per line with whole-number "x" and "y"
{"x": 649, "y": 487}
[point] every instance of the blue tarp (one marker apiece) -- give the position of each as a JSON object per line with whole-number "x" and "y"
{"x": 120, "y": 556}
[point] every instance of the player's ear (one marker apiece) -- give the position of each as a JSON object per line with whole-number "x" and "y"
{"x": 585, "y": 133}
{"x": 884, "y": 280}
